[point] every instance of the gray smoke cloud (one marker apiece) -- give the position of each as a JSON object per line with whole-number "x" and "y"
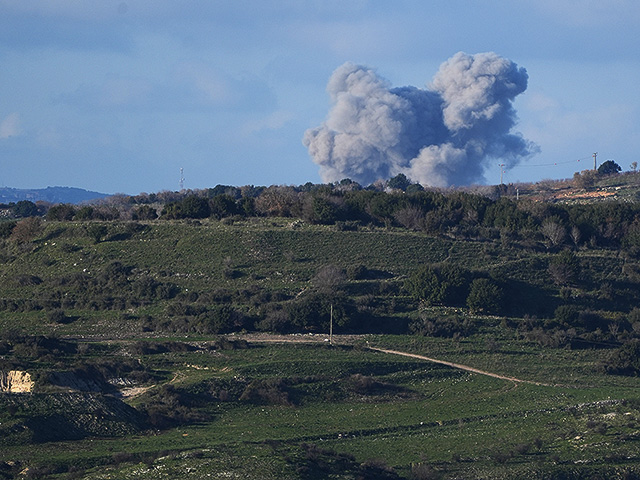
{"x": 443, "y": 135}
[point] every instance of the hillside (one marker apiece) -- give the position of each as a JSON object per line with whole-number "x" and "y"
{"x": 164, "y": 346}
{"x": 49, "y": 194}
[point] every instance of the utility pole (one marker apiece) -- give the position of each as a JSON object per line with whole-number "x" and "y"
{"x": 331, "y": 326}
{"x": 595, "y": 167}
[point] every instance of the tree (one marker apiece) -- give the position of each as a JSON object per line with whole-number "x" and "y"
{"x": 278, "y": 201}
{"x": 634, "y": 166}
{"x": 61, "y": 212}
{"x": 609, "y": 167}
{"x": 411, "y": 217}
{"x": 484, "y": 296}
{"x": 438, "y": 284}
{"x": 144, "y": 212}
{"x": 625, "y": 360}
{"x": 585, "y": 179}
{"x": 329, "y": 279}
{"x": 25, "y": 208}
{"x": 26, "y": 230}
{"x": 564, "y": 268}
{"x": 6, "y": 228}
{"x": 195, "y": 207}
{"x": 222, "y": 206}
{"x": 399, "y": 182}
{"x": 320, "y": 209}
{"x": 553, "y": 231}
{"x": 575, "y": 235}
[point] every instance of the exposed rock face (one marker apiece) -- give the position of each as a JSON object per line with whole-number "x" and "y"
{"x": 16, "y": 381}
{"x": 74, "y": 381}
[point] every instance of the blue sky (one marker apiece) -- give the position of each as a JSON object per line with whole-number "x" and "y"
{"x": 117, "y": 96}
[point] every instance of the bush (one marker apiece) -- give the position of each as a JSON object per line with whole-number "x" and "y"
{"x": 62, "y": 212}
{"x": 566, "y": 315}
{"x": 25, "y": 208}
{"x": 357, "y": 272}
{"x": 485, "y": 296}
{"x": 625, "y": 360}
{"x": 222, "y": 206}
{"x": 195, "y": 207}
{"x": 26, "y": 230}
{"x": 57, "y": 316}
{"x": 585, "y": 179}
{"x": 447, "y": 327}
{"x": 6, "y": 228}
{"x": 96, "y": 232}
{"x": 609, "y": 167}
{"x": 564, "y": 268}
{"x": 272, "y": 391}
{"x": 144, "y": 212}
{"x": 168, "y": 407}
{"x": 438, "y": 284}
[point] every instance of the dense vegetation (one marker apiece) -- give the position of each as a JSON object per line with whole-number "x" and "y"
{"x": 166, "y": 293}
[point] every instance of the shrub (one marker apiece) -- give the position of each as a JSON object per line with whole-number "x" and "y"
{"x": 438, "y": 284}
{"x": 61, "y": 212}
{"x": 585, "y": 179}
{"x": 25, "y": 208}
{"x": 272, "y": 391}
{"x": 144, "y": 212}
{"x": 275, "y": 321}
{"x": 609, "y": 167}
{"x": 485, "y": 296}
{"x": 566, "y": 314}
{"x": 195, "y": 207}
{"x": 6, "y": 228}
{"x": 564, "y": 268}
{"x": 169, "y": 406}
{"x": 85, "y": 213}
{"x": 57, "y": 316}
{"x": 357, "y": 272}
{"x": 25, "y": 280}
{"x": 26, "y": 230}
{"x": 625, "y": 360}
{"x": 448, "y": 326}
{"x": 96, "y": 232}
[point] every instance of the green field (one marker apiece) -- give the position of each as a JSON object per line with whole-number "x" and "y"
{"x": 408, "y": 413}
{"x": 138, "y": 308}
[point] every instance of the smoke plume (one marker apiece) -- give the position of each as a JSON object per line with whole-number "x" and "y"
{"x": 440, "y": 136}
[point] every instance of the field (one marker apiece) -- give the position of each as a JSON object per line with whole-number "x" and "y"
{"x": 338, "y": 410}
{"x": 128, "y": 385}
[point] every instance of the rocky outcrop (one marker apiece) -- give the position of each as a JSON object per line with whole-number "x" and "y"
{"x": 49, "y": 417}
{"x": 80, "y": 381}
{"x": 16, "y": 381}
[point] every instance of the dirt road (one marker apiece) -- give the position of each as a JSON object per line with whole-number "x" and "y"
{"x": 459, "y": 366}
{"x": 351, "y": 339}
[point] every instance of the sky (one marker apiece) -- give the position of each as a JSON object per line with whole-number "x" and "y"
{"x": 118, "y": 96}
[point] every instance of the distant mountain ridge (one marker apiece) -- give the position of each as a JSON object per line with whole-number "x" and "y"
{"x": 49, "y": 194}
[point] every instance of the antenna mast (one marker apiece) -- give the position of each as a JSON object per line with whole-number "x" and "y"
{"x": 501, "y": 171}
{"x": 181, "y": 179}
{"x": 595, "y": 167}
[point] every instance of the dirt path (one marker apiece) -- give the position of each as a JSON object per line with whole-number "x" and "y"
{"x": 350, "y": 339}
{"x": 459, "y": 366}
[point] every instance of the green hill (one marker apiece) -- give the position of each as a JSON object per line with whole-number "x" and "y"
{"x": 173, "y": 345}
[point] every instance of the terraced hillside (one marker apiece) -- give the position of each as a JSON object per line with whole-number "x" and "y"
{"x": 153, "y": 352}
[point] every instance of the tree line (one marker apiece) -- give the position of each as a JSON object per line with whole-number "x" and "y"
{"x": 396, "y": 203}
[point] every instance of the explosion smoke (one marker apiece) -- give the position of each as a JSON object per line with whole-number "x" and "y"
{"x": 440, "y": 136}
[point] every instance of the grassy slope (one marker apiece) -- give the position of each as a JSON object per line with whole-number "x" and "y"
{"x": 456, "y": 421}
{"x": 461, "y": 423}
